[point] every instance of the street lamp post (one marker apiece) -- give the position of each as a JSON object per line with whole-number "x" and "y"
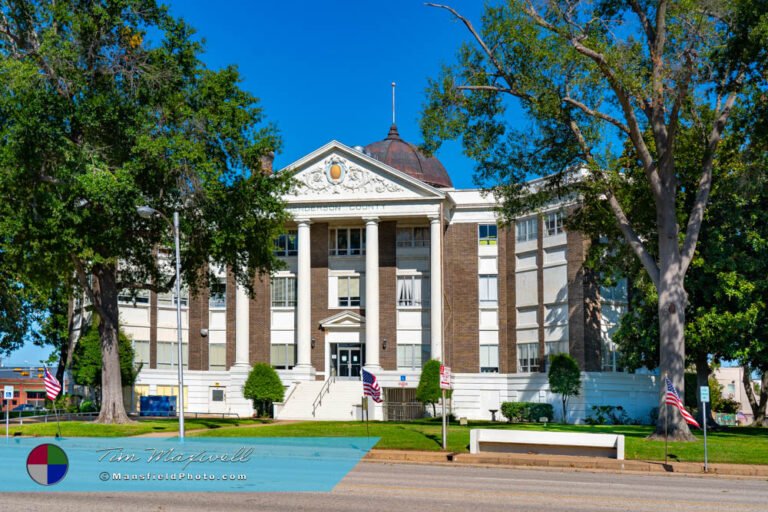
{"x": 147, "y": 212}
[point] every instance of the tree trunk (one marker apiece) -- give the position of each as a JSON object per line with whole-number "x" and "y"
{"x": 758, "y": 408}
{"x": 671, "y": 308}
{"x": 105, "y": 293}
{"x": 702, "y": 379}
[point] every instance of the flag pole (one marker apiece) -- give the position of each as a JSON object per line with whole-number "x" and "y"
{"x": 666, "y": 423}
{"x": 58, "y": 425}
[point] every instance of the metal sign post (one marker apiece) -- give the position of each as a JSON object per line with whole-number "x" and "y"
{"x": 704, "y": 392}
{"x": 7, "y": 397}
{"x": 445, "y": 383}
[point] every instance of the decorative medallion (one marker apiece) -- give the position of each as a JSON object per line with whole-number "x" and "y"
{"x": 335, "y": 171}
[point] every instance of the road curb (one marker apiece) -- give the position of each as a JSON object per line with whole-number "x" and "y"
{"x": 547, "y": 461}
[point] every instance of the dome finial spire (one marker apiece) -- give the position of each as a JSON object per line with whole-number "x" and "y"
{"x": 393, "y": 103}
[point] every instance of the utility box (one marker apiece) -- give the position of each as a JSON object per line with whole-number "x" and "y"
{"x": 157, "y": 405}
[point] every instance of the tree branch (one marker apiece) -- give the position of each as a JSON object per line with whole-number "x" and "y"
{"x": 595, "y": 113}
{"x": 633, "y": 240}
{"x": 705, "y": 184}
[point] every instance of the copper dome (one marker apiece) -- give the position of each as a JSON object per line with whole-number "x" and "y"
{"x": 407, "y": 158}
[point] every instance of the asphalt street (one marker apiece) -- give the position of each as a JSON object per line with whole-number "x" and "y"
{"x": 410, "y": 487}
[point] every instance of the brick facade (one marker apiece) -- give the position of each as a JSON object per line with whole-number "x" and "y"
{"x": 152, "y": 330}
{"x": 388, "y": 294}
{"x": 198, "y": 319}
{"x": 540, "y": 292}
{"x": 583, "y": 306}
{"x": 462, "y": 320}
{"x": 260, "y": 321}
{"x": 231, "y": 318}
{"x": 507, "y": 301}
{"x": 319, "y": 274}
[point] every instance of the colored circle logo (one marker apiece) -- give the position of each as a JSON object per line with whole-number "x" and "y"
{"x": 47, "y": 464}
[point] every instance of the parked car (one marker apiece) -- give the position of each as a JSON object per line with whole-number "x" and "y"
{"x": 28, "y": 408}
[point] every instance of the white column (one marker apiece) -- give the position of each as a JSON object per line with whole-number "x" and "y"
{"x": 436, "y": 287}
{"x": 372, "y": 293}
{"x": 304, "y": 299}
{"x": 242, "y": 327}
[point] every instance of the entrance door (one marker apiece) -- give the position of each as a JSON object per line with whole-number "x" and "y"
{"x": 348, "y": 362}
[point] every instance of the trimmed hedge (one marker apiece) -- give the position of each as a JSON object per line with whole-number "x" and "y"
{"x": 517, "y": 412}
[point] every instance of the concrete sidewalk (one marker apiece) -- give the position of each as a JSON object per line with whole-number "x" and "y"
{"x": 563, "y": 461}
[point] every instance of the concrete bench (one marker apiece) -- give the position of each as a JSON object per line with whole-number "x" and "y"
{"x": 551, "y": 443}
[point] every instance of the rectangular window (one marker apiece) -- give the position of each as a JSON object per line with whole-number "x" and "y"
{"x": 283, "y": 292}
{"x": 134, "y": 297}
{"x": 527, "y": 229}
{"x": 489, "y": 359}
{"x": 167, "y": 354}
{"x": 174, "y": 391}
{"x": 412, "y": 356}
{"x": 283, "y": 356}
{"x": 489, "y": 291}
{"x": 346, "y": 242}
{"x": 411, "y": 291}
{"x": 217, "y": 395}
{"x": 287, "y": 244}
{"x": 349, "y": 291}
{"x": 217, "y": 356}
{"x": 554, "y": 223}
{"x": 218, "y": 294}
{"x": 413, "y": 237}
{"x": 555, "y": 347}
{"x": 615, "y": 293}
{"x": 488, "y": 234}
{"x": 527, "y": 357}
{"x": 35, "y": 395}
{"x": 140, "y": 351}
{"x": 168, "y": 299}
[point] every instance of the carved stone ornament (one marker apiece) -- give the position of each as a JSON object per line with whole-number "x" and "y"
{"x": 337, "y": 176}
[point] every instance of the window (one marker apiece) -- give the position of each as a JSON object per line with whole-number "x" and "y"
{"x": 169, "y": 298}
{"x": 528, "y": 357}
{"x": 287, "y": 244}
{"x": 527, "y": 229}
{"x": 616, "y": 293}
{"x": 283, "y": 292}
{"x": 410, "y": 291}
{"x": 283, "y": 356}
{"x": 35, "y": 395}
{"x": 140, "y": 351}
{"x": 488, "y": 234}
{"x": 349, "y": 291}
{"x": 412, "y": 356}
{"x": 217, "y": 356}
{"x": 217, "y": 395}
{"x": 346, "y": 242}
{"x": 554, "y": 223}
{"x": 167, "y": 354}
{"x": 413, "y": 237}
{"x": 218, "y": 294}
{"x": 555, "y": 347}
{"x": 489, "y": 359}
{"x": 133, "y": 297}
{"x": 610, "y": 357}
{"x": 174, "y": 391}
{"x": 489, "y": 291}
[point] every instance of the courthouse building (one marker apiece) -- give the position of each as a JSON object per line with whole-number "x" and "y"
{"x": 387, "y": 266}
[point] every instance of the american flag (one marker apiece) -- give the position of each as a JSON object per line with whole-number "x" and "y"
{"x": 674, "y": 399}
{"x": 52, "y": 386}
{"x": 371, "y": 386}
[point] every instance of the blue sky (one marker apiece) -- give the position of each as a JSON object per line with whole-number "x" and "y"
{"x": 323, "y": 70}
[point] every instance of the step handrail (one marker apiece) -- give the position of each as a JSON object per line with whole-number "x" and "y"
{"x": 323, "y": 391}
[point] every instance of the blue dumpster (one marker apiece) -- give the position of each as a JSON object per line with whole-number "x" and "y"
{"x": 157, "y": 405}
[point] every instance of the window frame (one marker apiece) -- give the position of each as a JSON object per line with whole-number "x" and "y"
{"x": 554, "y": 223}
{"x": 287, "y": 244}
{"x": 533, "y": 363}
{"x": 289, "y": 292}
{"x": 348, "y": 301}
{"x": 488, "y": 239}
{"x": 333, "y": 241}
{"x": 487, "y": 303}
{"x": 423, "y": 283}
{"x": 530, "y": 234}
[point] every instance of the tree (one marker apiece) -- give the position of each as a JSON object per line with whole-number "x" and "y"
{"x": 105, "y": 106}
{"x": 592, "y": 78}
{"x": 564, "y": 379}
{"x": 263, "y": 387}
{"x": 428, "y": 391}
{"x": 87, "y": 361}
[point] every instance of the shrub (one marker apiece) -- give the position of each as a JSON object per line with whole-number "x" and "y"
{"x": 263, "y": 387}
{"x": 88, "y": 406}
{"x": 564, "y": 379}
{"x": 428, "y": 391}
{"x": 517, "y": 412}
{"x": 608, "y": 415}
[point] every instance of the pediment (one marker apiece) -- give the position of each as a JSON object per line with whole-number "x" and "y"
{"x": 343, "y": 320}
{"x": 337, "y": 172}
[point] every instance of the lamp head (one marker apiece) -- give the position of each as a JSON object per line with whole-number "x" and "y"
{"x": 146, "y": 212}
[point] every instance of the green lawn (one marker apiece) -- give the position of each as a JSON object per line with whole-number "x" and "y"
{"x": 737, "y": 445}
{"x": 89, "y": 429}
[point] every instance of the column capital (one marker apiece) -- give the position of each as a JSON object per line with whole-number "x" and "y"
{"x": 433, "y": 218}
{"x": 303, "y": 220}
{"x": 371, "y": 220}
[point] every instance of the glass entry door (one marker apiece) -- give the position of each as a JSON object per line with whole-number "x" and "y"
{"x": 348, "y": 361}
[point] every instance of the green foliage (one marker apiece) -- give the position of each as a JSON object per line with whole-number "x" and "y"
{"x": 609, "y": 415}
{"x": 87, "y": 359}
{"x": 720, "y": 403}
{"x": 517, "y": 412}
{"x": 564, "y": 378}
{"x": 263, "y": 387}
{"x": 428, "y": 391}
{"x": 88, "y": 406}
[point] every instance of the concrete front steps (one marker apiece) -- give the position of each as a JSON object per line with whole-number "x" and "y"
{"x": 341, "y": 402}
